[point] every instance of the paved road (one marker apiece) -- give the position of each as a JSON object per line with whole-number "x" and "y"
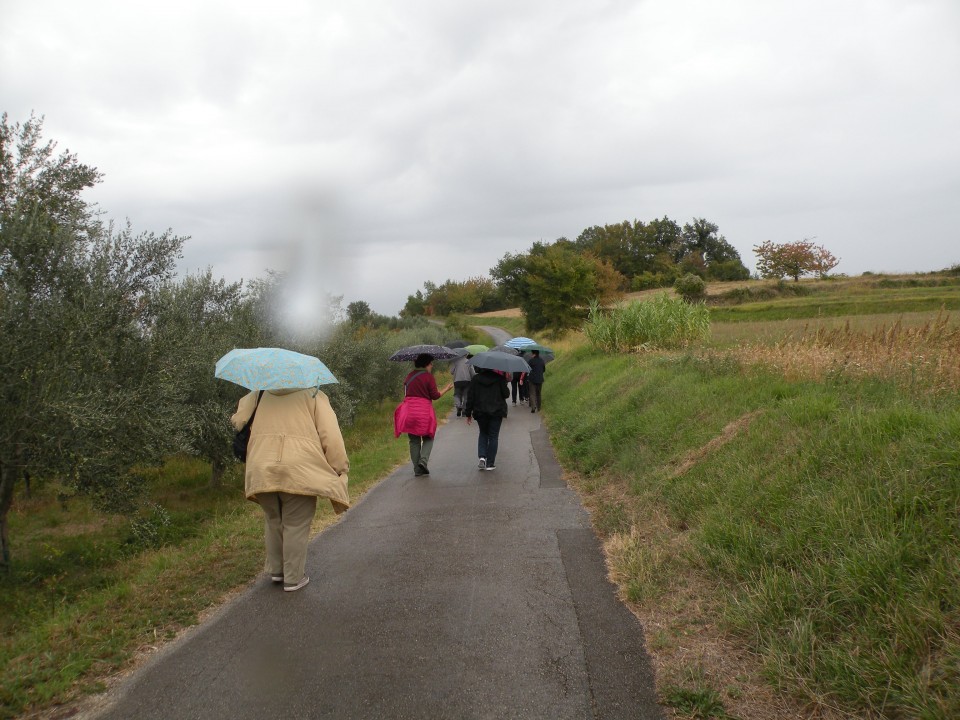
{"x": 462, "y": 594}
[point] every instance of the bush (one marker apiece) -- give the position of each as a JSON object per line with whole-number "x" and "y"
{"x": 691, "y": 288}
{"x": 663, "y": 322}
{"x": 728, "y": 270}
{"x": 649, "y": 281}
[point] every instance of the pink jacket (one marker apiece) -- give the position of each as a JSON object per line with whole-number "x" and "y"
{"x": 415, "y": 415}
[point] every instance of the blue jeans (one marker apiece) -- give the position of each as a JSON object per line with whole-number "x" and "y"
{"x": 489, "y": 439}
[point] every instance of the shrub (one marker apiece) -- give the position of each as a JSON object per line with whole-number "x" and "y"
{"x": 691, "y": 288}
{"x": 649, "y": 281}
{"x": 662, "y": 322}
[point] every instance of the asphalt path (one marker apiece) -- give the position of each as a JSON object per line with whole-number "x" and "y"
{"x": 459, "y": 594}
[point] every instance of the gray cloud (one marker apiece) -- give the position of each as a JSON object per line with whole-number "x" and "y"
{"x": 382, "y": 145}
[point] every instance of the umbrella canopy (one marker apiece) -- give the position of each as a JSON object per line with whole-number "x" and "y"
{"x": 519, "y": 342}
{"x": 474, "y": 349}
{"x": 437, "y": 352}
{"x": 544, "y": 350}
{"x": 494, "y": 360}
{"x": 272, "y": 369}
{"x": 460, "y": 351}
{"x": 506, "y": 349}
{"x": 454, "y": 344}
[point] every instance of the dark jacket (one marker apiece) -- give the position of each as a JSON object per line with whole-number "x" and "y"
{"x": 537, "y": 368}
{"x": 487, "y": 395}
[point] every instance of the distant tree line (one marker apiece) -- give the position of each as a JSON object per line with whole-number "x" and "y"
{"x": 553, "y": 283}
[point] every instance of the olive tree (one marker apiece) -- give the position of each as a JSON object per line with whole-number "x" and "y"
{"x": 84, "y": 392}
{"x": 196, "y": 322}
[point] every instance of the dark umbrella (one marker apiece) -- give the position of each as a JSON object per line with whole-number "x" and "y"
{"x": 506, "y": 349}
{"x": 453, "y": 344}
{"x": 495, "y": 360}
{"x": 545, "y": 352}
{"x": 437, "y": 352}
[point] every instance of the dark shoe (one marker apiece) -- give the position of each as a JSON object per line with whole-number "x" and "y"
{"x": 292, "y": 588}
{"x": 459, "y": 412}
{"x": 423, "y": 469}
{"x": 490, "y": 467}
{"x": 533, "y": 409}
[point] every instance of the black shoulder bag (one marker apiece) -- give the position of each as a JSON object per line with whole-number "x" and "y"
{"x": 242, "y": 438}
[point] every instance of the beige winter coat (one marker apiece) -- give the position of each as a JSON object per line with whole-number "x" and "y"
{"x": 295, "y": 446}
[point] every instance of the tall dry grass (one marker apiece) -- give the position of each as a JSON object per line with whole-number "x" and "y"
{"x": 926, "y": 356}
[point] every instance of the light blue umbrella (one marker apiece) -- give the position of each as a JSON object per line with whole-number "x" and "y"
{"x": 519, "y": 342}
{"x": 272, "y": 369}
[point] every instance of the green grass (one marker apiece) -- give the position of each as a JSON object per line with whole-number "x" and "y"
{"x": 828, "y": 523}
{"x": 85, "y": 593}
{"x": 867, "y": 300}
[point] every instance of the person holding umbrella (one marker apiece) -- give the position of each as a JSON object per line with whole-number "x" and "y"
{"x": 535, "y": 380}
{"x": 487, "y": 402}
{"x": 462, "y": 373}
{"x": 415, "y": 415}
{"x": 295, "y": 453}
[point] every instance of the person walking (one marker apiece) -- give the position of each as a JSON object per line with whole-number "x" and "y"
{"x": 462, "y": 373}
{"x": 295, "y": 455}
{"x": 487, "y": 402}
{"x": 535, "y": 380}
{"x": 518, "y": 389}
{"x": 415, "y": 415}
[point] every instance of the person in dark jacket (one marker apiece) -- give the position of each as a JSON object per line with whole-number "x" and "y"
{"x": 535, "y": 380}
{"x": 487, "y": 402}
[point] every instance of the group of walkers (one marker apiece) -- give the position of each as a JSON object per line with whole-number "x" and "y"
{"x": 479, "y": 394}
{"x": 296, "y": 453}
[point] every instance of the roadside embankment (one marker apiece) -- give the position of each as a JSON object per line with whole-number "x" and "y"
{"x": 782, "y": 540}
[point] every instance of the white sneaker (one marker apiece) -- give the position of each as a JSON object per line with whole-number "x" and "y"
{"x": 490, "y": 467}
{"x": 302, "y": 583}
{"x": 482, "y": 464}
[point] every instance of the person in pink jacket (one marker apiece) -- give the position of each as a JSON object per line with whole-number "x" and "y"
{"x": 295, "y": 455}
{"x": 415, "y": 415}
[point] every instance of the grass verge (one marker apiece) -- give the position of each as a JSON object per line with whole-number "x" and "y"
{"x": 819, "y": 518}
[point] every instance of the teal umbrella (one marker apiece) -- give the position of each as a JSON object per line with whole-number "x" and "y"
{"x": 545, "y": 352}
{"x": 272, "y": 369}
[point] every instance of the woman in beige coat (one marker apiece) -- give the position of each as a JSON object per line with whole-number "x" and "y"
{"x": 295, "y": 455}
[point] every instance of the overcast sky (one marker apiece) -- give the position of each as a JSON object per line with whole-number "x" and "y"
{"x": 374, "y": 145}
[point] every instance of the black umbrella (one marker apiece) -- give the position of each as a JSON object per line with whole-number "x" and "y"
{"x": 506, "y": 349}
{"x": 437, "y": 352}
{"x": 453, "y": 344}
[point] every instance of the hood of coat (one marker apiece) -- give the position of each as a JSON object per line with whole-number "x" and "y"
{"x": 487, "y": 377}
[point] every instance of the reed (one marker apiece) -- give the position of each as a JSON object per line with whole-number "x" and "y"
{"x": 661, "y": 323}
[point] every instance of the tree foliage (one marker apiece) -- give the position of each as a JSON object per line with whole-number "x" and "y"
{"x": 796, "y": 259}
{"x": 554, "y": 284}
{"x": 476, "y": 294}
{"x": 85, "y": 387}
